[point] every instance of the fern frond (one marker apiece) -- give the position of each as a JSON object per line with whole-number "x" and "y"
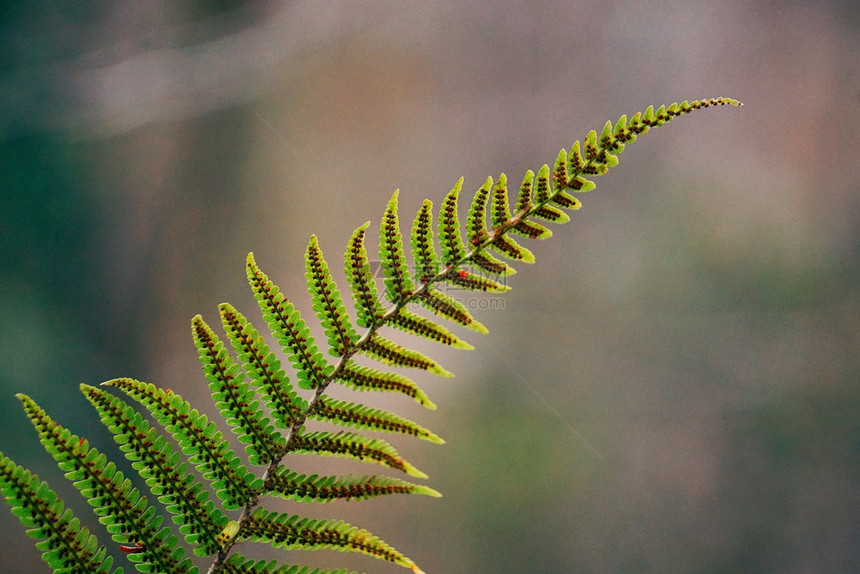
{"x": 552, "y": 214}
{"x": 198, "y": 438}
{"x": 328, "y": 303}
{"x": 427, "y": 265}
{"x": 234, "y": 398}
{"x": 294, "y": 486}
{"x": 448, "y": 307}
{"x": 423, "y": 251}
{"x": 158, "y": 464}
{"x": 575, "y": 166}
{"x": 118, "y": 505}
{"x": 492, "y": 265}
{"x": 560, "y": 197}
{"x": 500, "y": 216}
{"x": 532, "y": 230}
{"x": 524, "y": 197}
{"x": 501, "y": 211}
{"x": 544, "y": 197}
{"x": 390, "y": 353}
{"x": 263, "y": 367}
{"x": 353, "y": 446}
{"x": 66, "y": 545}
{"x": 367, "y": 418}
{"x": 296, "y": 532}
{"x": 362, "y": 378}
{"x": 476, "y": 220}
{"x": 453, "y": 249}
{"x": 286, "y": 324}
{"x": 238, "y": 564}
{"x": 523, "y": 227}
{"x": 422, "y": 327}
{"x": 361, "y": 283}
{"x": 395, "y": 272}
{"x": 506, "y": 246}
{"x": 473, "y": 282}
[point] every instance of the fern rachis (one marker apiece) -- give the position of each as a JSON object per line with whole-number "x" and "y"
{"x": 269, "y": 414}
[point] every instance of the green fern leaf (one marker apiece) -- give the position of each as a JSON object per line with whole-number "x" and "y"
{"x": 398, "y": 284}
{"x": 362, "y": 417}
{"x": 67, "y": 546}
{"x": 448, "y": 307}
{"x": 621, "y": 128}
{"x": 427, "y": 266}
{"x": 561, "y": 175}
{"x": 501, "y": 215}
{"x": 362, "y": 378}
{"x": 327, "y": 302}
{"x": 524, "y": 198}
{"x": 353, "y": 446}
{"x": 501, "y": 212}
{"x": 560, "y": 197}
{"x": 565, "y": 200}
{"x": 476, "y": 220}
{"x": 633, "y": 127}
{"x": 296, "y": 532}
{"x": 453, "y": 250}
{"x": 552, "y": 214}
{"x": 462, "y": 279}
{"x": 158, "y": 464}
{"x": 532, "y": 230}
{"x": 423, "y": 251}
{"x": 492, "y": 265}
{"x": 421, "y": 326}
{"x": 234, "y": 398}
{"x": 119, "y": 505}
{"x": 390, "y": 353}
{"x": 524, "y": 204}
{"x": 597, "y": 162}
{"x": 294, "y": 486}
{"x": 542, "y": 183}
{"x": 262, "y": 367}
{"x": 286, "y": 324}
{"x": 198, "y": 438}
{"x": 576, "y": 167}
{"x": 367, "y": 306}
{"x": 562, "y": 170}
{"x": 238, "y": 564}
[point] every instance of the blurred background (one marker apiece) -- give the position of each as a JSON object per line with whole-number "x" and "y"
{"x": 673, "y": 387}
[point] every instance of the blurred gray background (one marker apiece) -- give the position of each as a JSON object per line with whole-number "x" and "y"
{"x": 672, "y": 388}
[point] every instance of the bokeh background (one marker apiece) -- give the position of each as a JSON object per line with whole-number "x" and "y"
{"x": 673, "y": 387}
